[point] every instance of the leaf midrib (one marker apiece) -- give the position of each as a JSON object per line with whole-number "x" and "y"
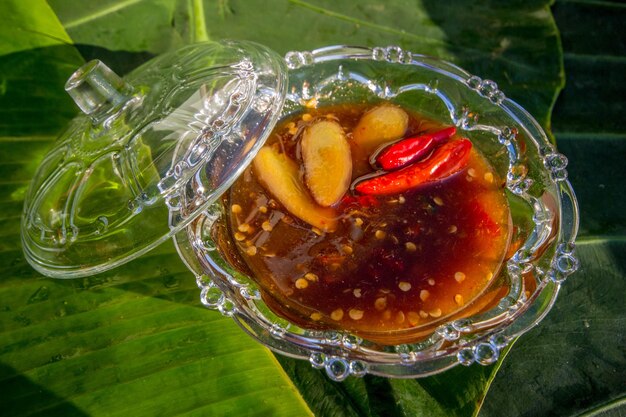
{"x": 619, "y": 402}
{"x": 102, "y": 12}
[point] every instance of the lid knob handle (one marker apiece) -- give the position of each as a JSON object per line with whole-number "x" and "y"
{"x": 97, "y": 90}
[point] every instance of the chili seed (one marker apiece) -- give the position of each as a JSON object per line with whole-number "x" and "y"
{"x": 423, "y": 314}
{"x": 459, "y": 276}
{"x": 236, "y": 208}
{"x": 413, "y": 317}
{"x": 488, "y": 177}
{"x": 311, "y": 277}
{"x": 438, "y": 201}
{"x": 424, "y": 294}
{"x": 358, "y": 222}
{"x": 306, "y": 117}
{"x": 401, "y": 199}
{"x": 410, "y": 246}
{"x": 334, "y": 266}
{"x": 380, "y": 304}
{"x": 431, "y": 281}
{"x": 315, "y": 316}
{"x": 458, "y": 299}
{"x": 267, "y": 226}
{"x": 244, "y": 227}
{"x": 400, "y": 317}
{"x": 263, "y": 209}
{"x": 435, "y": 313}
{"x": 347, "y": 249}
{"x": 357, "y": 292}
{"x": 380, "y": 235}
{"x": 404, "y": 286}
{"x": 251, "y": 250}
{"x": 452, "y": 229}
{"x": 355, "y": 314}
{"x": 471, "y": 172}
{"x": 301, "y": 283}
{"x": 337, "y": 314}
{"x": 239, "y": 236}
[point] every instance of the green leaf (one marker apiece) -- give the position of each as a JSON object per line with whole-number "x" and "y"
{"x": 132, "y": 341}
{"x": 574, "y": 363}
{"x": 513, "y": 43}
{"x": 28, "y": 25}
{"x": 136, "y": 342}
{"x": 27, "y": 105}
{"x": 129, "y": 25}
{"x": 457, "y": 392}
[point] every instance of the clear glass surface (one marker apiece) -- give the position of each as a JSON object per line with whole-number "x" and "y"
{"x": 154, "y": 151}
{"x": 543, "y": 209}
{"x": 125, "y": 175}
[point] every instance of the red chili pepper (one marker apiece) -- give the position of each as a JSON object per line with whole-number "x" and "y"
{"x": 412, "y": 149}
{"x": 445, "y": 161}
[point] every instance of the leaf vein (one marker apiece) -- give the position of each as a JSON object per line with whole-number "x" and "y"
{"x": 365, "y": 23}
{"x": 101, "y": 13}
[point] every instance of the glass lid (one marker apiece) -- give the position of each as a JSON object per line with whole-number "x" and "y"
{"x": 149, "y": 153}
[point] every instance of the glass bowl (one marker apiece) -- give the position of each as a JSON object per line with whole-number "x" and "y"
{"x": 543, "y": 209}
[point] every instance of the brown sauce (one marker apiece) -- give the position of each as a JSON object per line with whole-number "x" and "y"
{"x": 394, "y": 262}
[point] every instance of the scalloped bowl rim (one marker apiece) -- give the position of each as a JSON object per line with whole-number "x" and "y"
{"x": 461, "y": 341}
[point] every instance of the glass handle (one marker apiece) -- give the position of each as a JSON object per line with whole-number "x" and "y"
{"x": 97, "y": 90}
